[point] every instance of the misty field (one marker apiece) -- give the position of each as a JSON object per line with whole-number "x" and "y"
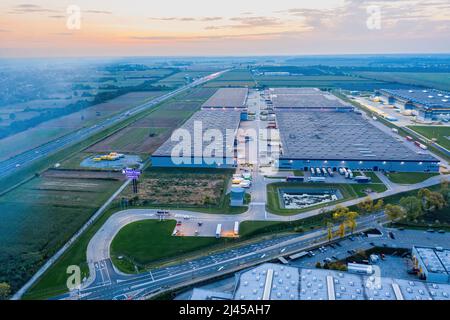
{"x": 41, "y": 215}
{"x": 146, "y": 134}
{"x": 53, "y": 129}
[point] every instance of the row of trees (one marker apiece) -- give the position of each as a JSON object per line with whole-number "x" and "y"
{"x": 409, "y": 207}
{"x": 425, "y": 202}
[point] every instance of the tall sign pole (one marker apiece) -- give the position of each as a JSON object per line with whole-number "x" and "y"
{"x": 132, "y": 174}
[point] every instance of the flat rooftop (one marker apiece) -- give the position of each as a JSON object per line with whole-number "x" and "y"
{"x": 278, "y": 282}
{"x": 305, "y": 98}
{"x": 221, "y": 120}
{"x": 227, "y": 98}
{"x": 288, "y": 283}
{"x": 435, "y": 260}
{"x": 338, "y": 136}
{"x": 431, "y": 98}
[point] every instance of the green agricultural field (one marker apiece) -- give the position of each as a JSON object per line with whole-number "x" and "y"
{"x": 55, "y": 128}
{"x": 441, "y": 134}
{"x": 433, "y": 80}
{"x": 234, "y": 78}
{"x": 180, "y": 78}
{"x": 40, "y": 216}
{"x": 325, "y": 81}
{"x": 410, "y": 177}
{"x": 146, "y": 134}
{"x": 146, "y": 242}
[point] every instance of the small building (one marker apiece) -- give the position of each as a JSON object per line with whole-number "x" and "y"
{"x": 433, "y": 264}
{"x": 359, "y": 268}
{"x": 237, "y": 196}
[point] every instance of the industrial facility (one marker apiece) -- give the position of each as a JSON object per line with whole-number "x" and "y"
{"x": 433, "y": 264}
{"x": 306, "y": 99}
{"x": 271, "y": 281}
{"x": 316, "y": 131}
{"x": 215, "y": 153}
{"x": 227, "y": 98}
{"x": 427, "y": 105}
{"x": 334, "y": 140}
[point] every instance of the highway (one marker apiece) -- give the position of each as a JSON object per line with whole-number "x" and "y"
{"x": 11, "y": 165}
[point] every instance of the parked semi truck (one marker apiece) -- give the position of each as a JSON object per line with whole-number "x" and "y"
{"x": 316, "y": 179}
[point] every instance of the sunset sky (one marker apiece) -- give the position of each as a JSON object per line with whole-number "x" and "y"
{"x": 245, "y": 27}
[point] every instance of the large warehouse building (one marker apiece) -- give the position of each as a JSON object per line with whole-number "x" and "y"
{"x": 339, "y": 137}
{"x": 306, "y": 99}
{"x": 227, "y": 98}
{"x": 334, "y": 139}
{"x": 202, "y": 150}
{"x": 271, "y": 281}
{"x": 221, "y": 114}
{"x": 429, "y": 104}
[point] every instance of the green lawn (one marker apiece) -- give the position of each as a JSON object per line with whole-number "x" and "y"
{"x": 410, "y": 177}
{"x": 360, "y": 187}
{"x": 373, "y": 176}
{"x": 145, "y": 242}
{"x": 441, "y": 134}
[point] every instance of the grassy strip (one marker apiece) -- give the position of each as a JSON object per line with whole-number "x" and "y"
{"x": 373, "y": 176}
{"x": 434, "y": 132}
{"x": 410, "y": 177}
{"x": 146, "y": 242}
{"x": 359, "y": 188}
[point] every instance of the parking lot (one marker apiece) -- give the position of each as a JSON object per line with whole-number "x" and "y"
{"x": 202, "y": 228}
{"x": 394, "y": 266}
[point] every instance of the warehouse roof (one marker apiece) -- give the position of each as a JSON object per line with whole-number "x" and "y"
{"x": 268, "y": 281}
{"x": 205, "y": 120}
{"x": 320, "y": 284}
{"x": 301, "y": 90}
{"x": 431, "y": 98}
{"x": 305, "y": 98}
{"x": 227, "y": 98}
{"x": 339, "y": 136}
{"x": 436, "y": 260}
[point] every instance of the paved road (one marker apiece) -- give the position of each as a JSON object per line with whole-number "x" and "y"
{"x": 107, "y": 283}
{"x": 10, "y": 166}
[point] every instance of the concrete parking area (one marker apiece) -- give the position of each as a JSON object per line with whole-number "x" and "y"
{"x": 203, "y": 228}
